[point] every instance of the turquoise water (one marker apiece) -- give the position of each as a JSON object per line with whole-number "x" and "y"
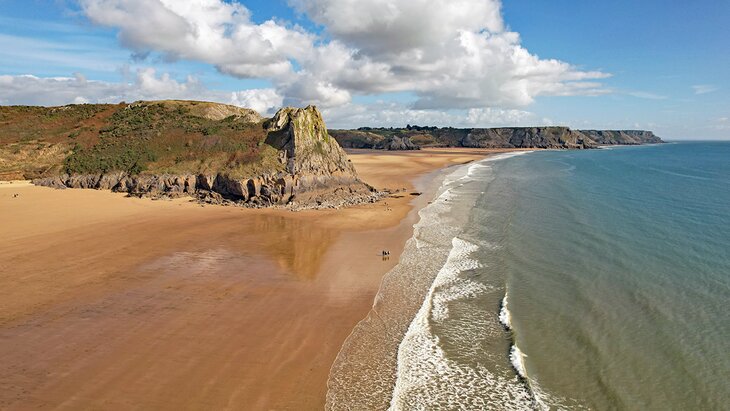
{"x": 617, "y": 270}
{"x": 594, "y": 279}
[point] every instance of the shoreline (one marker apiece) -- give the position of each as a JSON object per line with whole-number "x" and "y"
{"x": 432, "y": 183}
{"x": 257, "y": 303}
{"x": 366, "y": 370}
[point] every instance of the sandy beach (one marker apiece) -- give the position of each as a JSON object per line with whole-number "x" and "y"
{"x": 109, "y": 302}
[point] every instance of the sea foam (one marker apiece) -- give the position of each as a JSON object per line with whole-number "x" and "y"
{"x": 426, "y": 377}
{"x": 517, "y": 358}
{"x": 505, "y": 317}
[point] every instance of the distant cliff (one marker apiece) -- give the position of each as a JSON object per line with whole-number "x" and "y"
{"x": 365, "y": 139}
{"x": 216, "y": 152}
{"x": 414, "y": 137}
{"x": 622, "y": 137}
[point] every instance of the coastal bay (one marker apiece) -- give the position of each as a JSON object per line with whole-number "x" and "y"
{"x": 109, "y": 302}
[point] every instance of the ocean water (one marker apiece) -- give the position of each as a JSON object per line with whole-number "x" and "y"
{"x": 594, "y": 279}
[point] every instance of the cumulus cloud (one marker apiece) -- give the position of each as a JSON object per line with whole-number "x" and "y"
{"x": 398, "y": 115}
{"x": 451, "y": 54}
{"x": 386, "y": 27}
{"x": 211, "y": 31}
{"x": 147, "y": 85}
{"x": 265, "y": 101}
{"x": 492, "y": 116}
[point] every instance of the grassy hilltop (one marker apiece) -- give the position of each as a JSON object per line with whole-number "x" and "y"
{"x": 161, "y": 137}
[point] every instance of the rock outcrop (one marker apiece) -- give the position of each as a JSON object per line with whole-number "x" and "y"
{"x": 622, "y": 137}
{"x": 397, "y": 143}
{"x": 318, "y": 167}
{"x": 317, "y": 172}
{"x": 524, "y": 137}
{"x": 364, "y": 139}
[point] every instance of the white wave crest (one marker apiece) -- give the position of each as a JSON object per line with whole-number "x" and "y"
{"x": 517, "y": 358}
{"x": 426, "y": 377}
{"x": 505, "y": 317}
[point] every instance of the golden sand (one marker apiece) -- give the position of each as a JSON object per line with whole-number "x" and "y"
{"x": 109, "y": 302}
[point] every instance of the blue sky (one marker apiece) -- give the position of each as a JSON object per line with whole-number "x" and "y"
{"x": 658, "y": 49}
{"x": 656, "y": 65}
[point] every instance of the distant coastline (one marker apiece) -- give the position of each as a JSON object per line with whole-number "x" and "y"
{"x": 552, "y": 137}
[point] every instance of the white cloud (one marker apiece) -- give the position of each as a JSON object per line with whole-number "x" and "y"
{"x": 398, "y": 115}
{"x": 647, "y": 95}
{"x": 491, "y": 116}
{"x": 721, "y": 124}
{"x": 704, "y": 88}
{"x": 386, "y": 27}
{"x": 211, "y": 31}
{"x": 451, "y": 54}
{"x": 262, "y": 100}
{"x": 147, "y": 85}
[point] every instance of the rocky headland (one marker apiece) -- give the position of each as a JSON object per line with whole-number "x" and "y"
{"x": 311, "y": 171}
{"x": 217, "y": 153}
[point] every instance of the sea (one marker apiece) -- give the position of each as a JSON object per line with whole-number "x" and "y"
{"x": 588, "y": 279}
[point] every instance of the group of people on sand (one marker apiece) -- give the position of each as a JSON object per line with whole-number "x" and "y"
{"x": 386, "y": 255}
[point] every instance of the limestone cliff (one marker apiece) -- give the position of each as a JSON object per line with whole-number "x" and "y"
{"x": 317, "y": 164}
{"x": 364, "y": 139}
{"x": 526, "y": 137}
{"x": 622, "y": 137}
{"x": 415, "y": 137}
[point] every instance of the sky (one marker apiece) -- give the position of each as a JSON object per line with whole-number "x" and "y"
{"x": 661, "y": 65}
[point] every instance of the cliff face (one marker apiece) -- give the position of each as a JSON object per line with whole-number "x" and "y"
{"x": 315, "y": 161}
{"x": 307, "y": 169}
{"x": 510, "y": 137}
{"x": 533, "y": 137}
{"x": 301, "y": 137}
{"x": 364, "y": 139}
{"x": 622, "y": 137}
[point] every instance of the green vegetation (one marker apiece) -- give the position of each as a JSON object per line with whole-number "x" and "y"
{"x": 368, "y": 137}
{"x": 151, "y": 137}
{"x": 356, "y": 138}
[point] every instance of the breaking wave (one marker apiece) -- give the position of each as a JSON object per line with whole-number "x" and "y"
{"x": 426, "y": 376}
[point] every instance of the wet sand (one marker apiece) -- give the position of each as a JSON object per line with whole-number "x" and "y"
{"x": 109, "y": 302}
